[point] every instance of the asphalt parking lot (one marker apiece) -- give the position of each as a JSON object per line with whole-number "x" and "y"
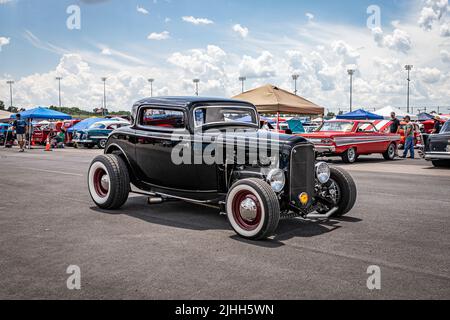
{"x": 181, "y": 251}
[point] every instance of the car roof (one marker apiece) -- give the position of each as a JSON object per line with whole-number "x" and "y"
{"x": 186, "y": 101}
{"x": 110, "y": 122}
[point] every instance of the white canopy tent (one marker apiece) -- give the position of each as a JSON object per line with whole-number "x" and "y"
{"x": 386, "y": 113}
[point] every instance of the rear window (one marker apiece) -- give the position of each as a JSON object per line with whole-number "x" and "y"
{"x": 162, "y": 118}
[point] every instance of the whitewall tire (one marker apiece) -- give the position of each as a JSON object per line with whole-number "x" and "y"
{"x": 253, "y": 209}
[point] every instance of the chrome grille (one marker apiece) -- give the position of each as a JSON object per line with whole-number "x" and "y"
{"x": 302, "y": 176}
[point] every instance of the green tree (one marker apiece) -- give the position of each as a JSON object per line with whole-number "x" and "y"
{"x": 2, "y": 105}
{"x": 331, "y": 115}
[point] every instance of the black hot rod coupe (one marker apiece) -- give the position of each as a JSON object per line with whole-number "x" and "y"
{"x": 212, "y": 152}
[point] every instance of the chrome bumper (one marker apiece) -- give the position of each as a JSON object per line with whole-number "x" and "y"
{"x": 437, "y": 156}
{"x": 82, "y": 141}
{"x": 321, "y": 149}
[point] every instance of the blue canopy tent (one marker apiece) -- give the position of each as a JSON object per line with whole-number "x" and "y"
{"x": 85, "y": 124}
{"x": 424, "y": 117}
{"x": 40, "y": 113}
{"x": 360, "y": 115}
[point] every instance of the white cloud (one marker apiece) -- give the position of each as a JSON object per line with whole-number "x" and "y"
{"x": 310, "y": 16}
{"x": 106, "y": 52}
{"x": 159, "y": 36}
{"x": 445, "y": 30}
{"x": 5, "y": 1}
{"x": 399, "y": 40}
{"x": 4, "y": 42}
{"x": 433, "y": 11}
{"x": 142, "y": 10}
{"x": 445, "y": 56}
{"x": 242, "y": 31}
{"x": 260, "y": 67}
{"x": 197, "y": 21}
{"x": 429, "y": 75}
{"x": 208, "y": 65}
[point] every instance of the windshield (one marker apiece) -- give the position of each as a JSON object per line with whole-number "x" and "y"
{"x": 337, "y": 126}
{"x": 224, "y": 114}
{"x": 446, "y": 127}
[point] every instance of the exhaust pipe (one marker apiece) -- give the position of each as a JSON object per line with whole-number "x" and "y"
{"x": 155, "y": 200}
{"x": 317, "y": 216}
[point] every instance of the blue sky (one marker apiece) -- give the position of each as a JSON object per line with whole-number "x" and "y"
{"x": 283, "y": 37}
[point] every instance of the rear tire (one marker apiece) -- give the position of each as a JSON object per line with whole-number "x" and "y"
{"x": 253, "y": 209}
{"x": 347, "y": 188}
{"x": 109, "y": 182}
{"x": 350, "y": 156}
{"x": 390, "y": 152}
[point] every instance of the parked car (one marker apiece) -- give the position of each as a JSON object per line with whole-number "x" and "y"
{"x": 437, "y": 147}
{"x": 190, "y": 149}
{"x": 7, "y": 136}
{"x": 97, "y": 133}
{"x": 352, "y": 138}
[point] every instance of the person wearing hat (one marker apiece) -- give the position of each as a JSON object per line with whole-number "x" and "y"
{"x": 437, "y": 125}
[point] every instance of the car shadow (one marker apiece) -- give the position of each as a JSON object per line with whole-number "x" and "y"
{"x": 182, "y": 215}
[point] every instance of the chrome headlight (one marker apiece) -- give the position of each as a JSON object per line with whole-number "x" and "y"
{"x": 276, "y": 179}
{"x": 323, "y": 172}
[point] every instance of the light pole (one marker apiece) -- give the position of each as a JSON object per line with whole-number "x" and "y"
{"x": 104, "y": 95}
{"x": 59, "y": 89}
{"x": 408, "y": 68}
{"x": 196, "y": 81}
{"x": 242, "y": 79}
{"x": 295, "y": 78}
{"x": 10, "y": 82}
{"x": 351, "y": 72}
{"x": 151, "y": 86}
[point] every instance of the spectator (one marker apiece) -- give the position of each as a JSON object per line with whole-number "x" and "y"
{"x": 409, "y": 138}
{"x": 21, "y": 131}
{"x": 437, "y": 125}
{"x": 395, "y": 126}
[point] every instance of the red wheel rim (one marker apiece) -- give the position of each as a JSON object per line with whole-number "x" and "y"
{"x": 244, "y": 223}
{"x": 100, "y": 189}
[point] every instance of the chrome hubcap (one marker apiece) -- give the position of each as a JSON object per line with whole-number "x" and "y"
{"x": 248, "y": 209}
{"x": 105, "y": 182}
{"x": 351, "y": 154}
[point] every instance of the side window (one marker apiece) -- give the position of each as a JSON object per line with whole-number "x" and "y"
{"x": 366, "y": 127}
{"x": 162, "y": 118}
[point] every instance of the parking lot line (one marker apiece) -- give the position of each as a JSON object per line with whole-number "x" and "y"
{"x": 49, "y": 171}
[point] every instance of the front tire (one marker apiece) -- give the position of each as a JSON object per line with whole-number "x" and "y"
{"x": 350, "y": 156}
{"x": 253, "y": 209}
{"x": 109, "y": 182}
{"x": 347, "y": 188}
{"x": 441, "y": 163}
{"x": 390, "y": 152}
{"x": 102, "y": 144}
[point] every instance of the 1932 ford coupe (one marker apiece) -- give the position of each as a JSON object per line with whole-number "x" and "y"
{"x": 212, "y": 152}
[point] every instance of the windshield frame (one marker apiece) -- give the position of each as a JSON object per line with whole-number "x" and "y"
{"x": 334, "y": 121}
{"x": 223, "y": 123}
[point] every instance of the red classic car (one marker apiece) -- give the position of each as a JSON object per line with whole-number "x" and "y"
{"x": 352, "y": 138}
